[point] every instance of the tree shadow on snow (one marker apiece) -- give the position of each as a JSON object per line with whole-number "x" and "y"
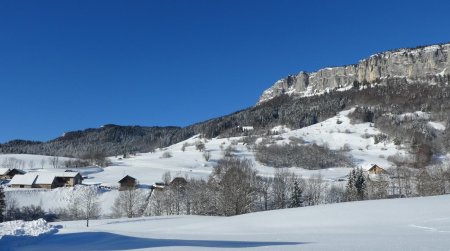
{"x": 102, "y": 241}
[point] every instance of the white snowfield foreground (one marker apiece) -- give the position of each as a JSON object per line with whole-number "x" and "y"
{"x": 400, "y": 224}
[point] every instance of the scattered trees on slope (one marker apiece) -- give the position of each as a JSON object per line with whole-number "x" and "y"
{"x": 305, "y": 156}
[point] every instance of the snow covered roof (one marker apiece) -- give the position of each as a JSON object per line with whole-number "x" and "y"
{"x": 40, "y": 178}
{"x": 4, "y": 171}
{"x": 59, "y": 174}
{"x": 48, "y": 177}
{"x": 45, "y": 178}
{"x": 23, "y": 179}
{"x": 67, "y": 174}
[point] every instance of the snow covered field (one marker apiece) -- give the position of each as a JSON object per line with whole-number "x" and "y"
{"x": 400, "y": 224}
{"x": 336, "y": 133}
{"x": 147, "y": 168}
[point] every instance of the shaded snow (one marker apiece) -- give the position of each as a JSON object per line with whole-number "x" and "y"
{"x": 398, "y": 224}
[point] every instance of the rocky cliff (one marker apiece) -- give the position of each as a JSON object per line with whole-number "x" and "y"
{"x": 411, "y": 64}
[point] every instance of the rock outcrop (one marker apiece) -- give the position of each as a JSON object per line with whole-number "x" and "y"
{"x": 411, "y": 64}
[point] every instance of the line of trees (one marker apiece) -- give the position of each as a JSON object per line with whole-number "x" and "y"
{"x": 234, "y": 187}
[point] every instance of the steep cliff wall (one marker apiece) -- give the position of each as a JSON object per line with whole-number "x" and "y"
{"x": 411, "y": 64}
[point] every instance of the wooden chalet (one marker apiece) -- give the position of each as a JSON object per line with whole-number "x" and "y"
{"x": 178, "y": 182}
{"x": 127, "y": 182}
{"x": 375, "y": 169}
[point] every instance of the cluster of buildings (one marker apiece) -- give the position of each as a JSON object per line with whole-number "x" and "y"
{"x": 16, "y": 178}
{"x": 21, "y": 179}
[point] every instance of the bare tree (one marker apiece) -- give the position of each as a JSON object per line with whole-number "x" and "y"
{"x": 207, "y": 155}
{"x": 42, "y": 163}
{"x": 183, "y": 147}
{"x": 200, "y": 146}
{"x": 315, "y": 189}
{"x": 2, "y": 204}
{"x": 336, "y": 194}
{"x": 166, "y": 178}
{"x": 281, "y": 187}
{"x": 54, "y": 161}
{"x": 401, "y": 181}
{"x": 31, "y": 164}
{"x": 377, "y": 187}
{"x": 128, "y": 203}
{"x": 264, "y": 186}
{"x": 89, "y": 203}
{"x": 234, "y": 181}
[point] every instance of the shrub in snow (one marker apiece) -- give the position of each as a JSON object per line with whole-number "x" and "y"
{"x": 166, "y": 155}
{"x": 200, "y": 146}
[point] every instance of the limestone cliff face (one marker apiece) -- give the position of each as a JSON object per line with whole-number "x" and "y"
{"x": 411, "y": 64}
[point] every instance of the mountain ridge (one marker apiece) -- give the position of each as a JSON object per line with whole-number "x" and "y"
{"x": 414, "y": 64}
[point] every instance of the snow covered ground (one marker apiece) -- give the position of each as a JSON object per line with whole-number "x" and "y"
{"x": 148, "y": 168}
{"x": 26, "y": 228}
{"x": 400, "y": 224}
{"x": 337, "y": 133}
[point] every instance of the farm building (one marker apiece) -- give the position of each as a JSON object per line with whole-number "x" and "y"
{"x": 47, "y": 180}
{"x": 8, "y": 173}
{"x": 23, "y": 181}
{"x": 375, "y": 169}
{"x": 178, "y": 182}
{"x": 127, "y": 182}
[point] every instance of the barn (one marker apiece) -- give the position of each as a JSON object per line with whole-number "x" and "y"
{"x": 127, "y": 182}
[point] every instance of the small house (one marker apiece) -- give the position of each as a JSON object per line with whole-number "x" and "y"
{"x": 375, "y": 169}
{"x": 127, "y": 182}
{"x": 68, "y": 179}
{"x": 9, "y": 173}
{"x": 23, "y": 180}
{"x": 178, "y": 182}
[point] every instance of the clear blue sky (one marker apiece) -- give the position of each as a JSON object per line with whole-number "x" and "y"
{"x": 69, "y": 65}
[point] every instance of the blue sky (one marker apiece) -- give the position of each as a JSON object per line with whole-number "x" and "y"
{"x": 70, "y": 65}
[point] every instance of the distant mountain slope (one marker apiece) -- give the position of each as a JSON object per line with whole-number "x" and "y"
{"x": 380, "y": 99}
{"x": 109, "y": 139}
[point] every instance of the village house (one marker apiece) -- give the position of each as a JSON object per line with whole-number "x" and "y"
{"x": 48, "y": 180}
{"x": 178, "y": 182}
{"x": 375, "y": 169}
{"x": 127, "y": 182}
{"x": 8, "y": 173}
{"x": 23, "y": 181}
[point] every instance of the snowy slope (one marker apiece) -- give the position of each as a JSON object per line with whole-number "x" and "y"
{"x": 336, "y": 132}
{"x": 400, "y": 224}
{"x": 148, "y": 168}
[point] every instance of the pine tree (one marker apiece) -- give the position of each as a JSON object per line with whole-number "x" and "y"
{"x": 296, "y": 196}
{"x": 356, "y": 186}
{"x": 2, "y": 204}
{"x": 350, "y": 190}
{"x": 360, "y": 184}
